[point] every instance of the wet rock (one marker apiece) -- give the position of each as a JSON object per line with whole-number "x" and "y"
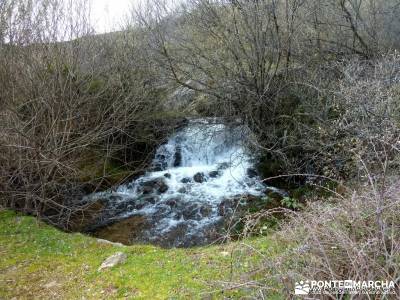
{"x": 199, "y": 177}
{"x": 138, "y": 204}
{"x": 250, "y": 198}
{"x": 115, "y": 198}
{"x": 186, "y": 180}
{"x": 121, "y": 206}
{"x": 131, "y": 185}
{"x": 178, "y": 215}
{"x": 252, "y": 182}
{"x": 150, "y": 199}
{"x": 182, "y": 190}
{"x": 223, "y": 166}
{"x": 157, "y": 168}
{"x": 253, "y": 204}
{"x": 147, "y": 189}
{"x": 131, "y": 204}
{"x": 251, "y": 173}
{"x": 116, "y": 259}
{"x": 163, "y": 188}
{"x": 167, "y": 175}
{"x": 209, "y": 234}
{"x": 162, "y": 210}
{"x": 175, "y": 237}
{"x": 124, "y": 231}
{"x": 181, "y": 235}
{"x": 191, "y": 212}
{"x": 214, "y": 174}
{"x": 151, "y": 186}
{"x": 178, "y": 156}
{"x": 160, "y": 163}
{"x": 221, "y": 209}
{"x": 171, "y": 202}
{"x": 205, "y": 211}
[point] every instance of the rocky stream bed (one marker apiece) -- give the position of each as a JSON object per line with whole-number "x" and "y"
{"x": 200, "y": 180}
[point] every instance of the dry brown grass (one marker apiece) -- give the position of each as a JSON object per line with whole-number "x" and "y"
{"x": 355, "y": 236}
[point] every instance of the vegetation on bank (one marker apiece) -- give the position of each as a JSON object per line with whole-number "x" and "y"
{"x": 84, "y": 114}
{"x": 38, "y": 261}
{"x": 337, "y": 238}
{"x": 316, "y": 82}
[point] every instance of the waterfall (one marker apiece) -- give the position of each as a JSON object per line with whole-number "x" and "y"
{"x": 191, "y": 176}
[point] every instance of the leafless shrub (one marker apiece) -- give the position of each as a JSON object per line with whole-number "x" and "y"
{"x": 72, "y": 107}
{"x": 350, "y": 236}
{"x": 279, "y": 66}
{"x": 354, "y": 236}
{"x": 348, "y": 110}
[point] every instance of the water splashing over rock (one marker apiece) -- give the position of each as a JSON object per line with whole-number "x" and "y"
{"x": 191, "y": 178}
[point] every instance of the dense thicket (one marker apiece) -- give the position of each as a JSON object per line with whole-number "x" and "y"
{"x": 316, "y": 81}
{"x": 308, "y": 76}
{"x": 77, "y": 115}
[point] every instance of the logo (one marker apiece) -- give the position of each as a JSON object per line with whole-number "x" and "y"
{"x": 302, "y": 288}
{"x": 313, "y": 287}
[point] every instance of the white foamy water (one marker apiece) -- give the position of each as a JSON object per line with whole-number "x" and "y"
{"x": 199, "y": 167}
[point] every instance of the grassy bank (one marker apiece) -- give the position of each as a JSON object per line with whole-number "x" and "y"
{"x": 38, "y": 261}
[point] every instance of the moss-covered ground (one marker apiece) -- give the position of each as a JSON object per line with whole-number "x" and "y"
{"x": 38, "y": 261}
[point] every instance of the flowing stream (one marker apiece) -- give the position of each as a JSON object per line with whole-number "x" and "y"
{"x": 184, "y": 195}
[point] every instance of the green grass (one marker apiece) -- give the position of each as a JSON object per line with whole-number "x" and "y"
{"x": 38, "y": 261}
